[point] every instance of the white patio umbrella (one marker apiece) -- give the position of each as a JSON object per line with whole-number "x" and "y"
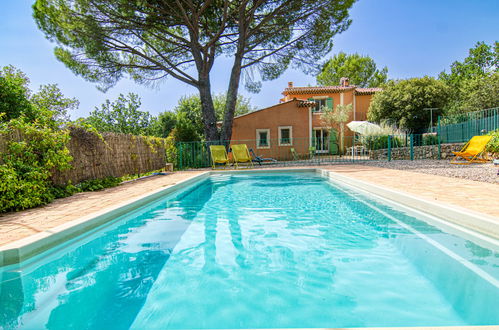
{"x": 363, "y": 127}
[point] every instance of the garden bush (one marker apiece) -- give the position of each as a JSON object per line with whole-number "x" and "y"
{"x": 430, "y": 139}
{"x": 30, "y": 153}
{"x": 98, "y": 184}
{"x": 171, "y": 150}
{"x": 493, "y": 145}
{"x": 375, "y": 142}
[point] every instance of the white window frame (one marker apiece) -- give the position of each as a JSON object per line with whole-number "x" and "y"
{"x": 290, "y": 136}
{"x": 258, "y": 131}
{"x": 322, "y": 128}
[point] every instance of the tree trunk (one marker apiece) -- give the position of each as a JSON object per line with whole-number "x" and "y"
{"x": 235, "y": 75}
{"x": 208, "y": 111}
{"x": 231, "y": 100}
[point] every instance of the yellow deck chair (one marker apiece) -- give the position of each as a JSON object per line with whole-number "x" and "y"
{"x": 218, "y": 156}
{"x": 241, "y": 154}
{"x": 472, "y": 150}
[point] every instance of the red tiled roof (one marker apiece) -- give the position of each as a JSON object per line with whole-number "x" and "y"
{"x": 328, "y": 89}
{"x": 367, "y": 91}
{"x": 316, "y": 89}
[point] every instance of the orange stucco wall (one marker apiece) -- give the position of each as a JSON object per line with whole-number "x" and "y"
{"x": 362, "y": 105}
{"x": 284, "y": 114}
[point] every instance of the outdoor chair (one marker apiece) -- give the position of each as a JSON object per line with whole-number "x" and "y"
{"x": 260, "y": 159}
{"x": 356, "y": 150}
{"x": 240, "y": 154}
{"x": 218, "y": 156}
{"x": 472, "y": 151}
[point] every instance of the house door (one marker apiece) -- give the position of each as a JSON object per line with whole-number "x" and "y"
{"x": 321, "y": 140}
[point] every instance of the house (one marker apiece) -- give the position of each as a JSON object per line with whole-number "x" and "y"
{"x": 296, "y": 121}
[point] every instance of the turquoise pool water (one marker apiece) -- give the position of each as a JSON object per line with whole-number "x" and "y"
{"x": 257, "y": 251}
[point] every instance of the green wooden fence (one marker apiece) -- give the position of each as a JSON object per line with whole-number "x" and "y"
{"x": 462, "y": 127}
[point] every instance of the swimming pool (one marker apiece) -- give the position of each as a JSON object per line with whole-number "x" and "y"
{"x": 266, "y": 250}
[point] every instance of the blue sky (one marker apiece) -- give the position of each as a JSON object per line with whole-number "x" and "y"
{"x": 411, "y": 38}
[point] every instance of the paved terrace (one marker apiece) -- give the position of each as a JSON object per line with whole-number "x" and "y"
{"x": 477, "y": 196}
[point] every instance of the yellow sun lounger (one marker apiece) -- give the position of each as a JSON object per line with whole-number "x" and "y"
{"x": 472, "y": 150}
{"x": 240, "y": 154}
{"x": 218, "y": 156}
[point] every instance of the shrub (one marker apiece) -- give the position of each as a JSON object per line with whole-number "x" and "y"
{"x": 375, "y": 142}
{"x": 98, "y": 184}
{"x": 171, "y": 150}
{"x": 61, "y": 191}
{"x": 430, "y": 139}
{"x": 31, "y": 153}
{"x": 493, "y": 145}
{"x": 378, "y": 138}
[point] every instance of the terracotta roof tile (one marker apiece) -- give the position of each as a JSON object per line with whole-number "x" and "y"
{"x": 316, "y": 89}
{"x": 367, "y": 91}
{"x": 328, "y": 89}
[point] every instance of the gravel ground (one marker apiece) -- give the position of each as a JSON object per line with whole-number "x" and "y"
{"x": 477, "y": 172}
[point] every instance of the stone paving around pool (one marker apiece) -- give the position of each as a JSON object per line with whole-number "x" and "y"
{"x": 17, "y": 225}
{"x": 477, "y": 196}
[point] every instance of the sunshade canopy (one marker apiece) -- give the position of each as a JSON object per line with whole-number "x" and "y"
{"x": 363, "y": 127}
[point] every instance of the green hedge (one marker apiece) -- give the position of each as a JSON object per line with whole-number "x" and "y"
{"x": 31, "y": 152}
{"x": 375, "y": 142}
{"x": 493, "y": 145}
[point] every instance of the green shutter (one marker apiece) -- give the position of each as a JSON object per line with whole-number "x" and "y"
{"x": 333, "y": 142}
{"x": 329, "y": 102}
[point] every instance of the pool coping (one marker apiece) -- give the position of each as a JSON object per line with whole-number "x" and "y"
{"x": 28, "y": 247}
{"x": 467, "y": 327}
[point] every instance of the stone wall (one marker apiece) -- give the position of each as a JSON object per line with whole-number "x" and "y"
{"x": 115, "y": 155}
{"x": 420, "y": 152}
